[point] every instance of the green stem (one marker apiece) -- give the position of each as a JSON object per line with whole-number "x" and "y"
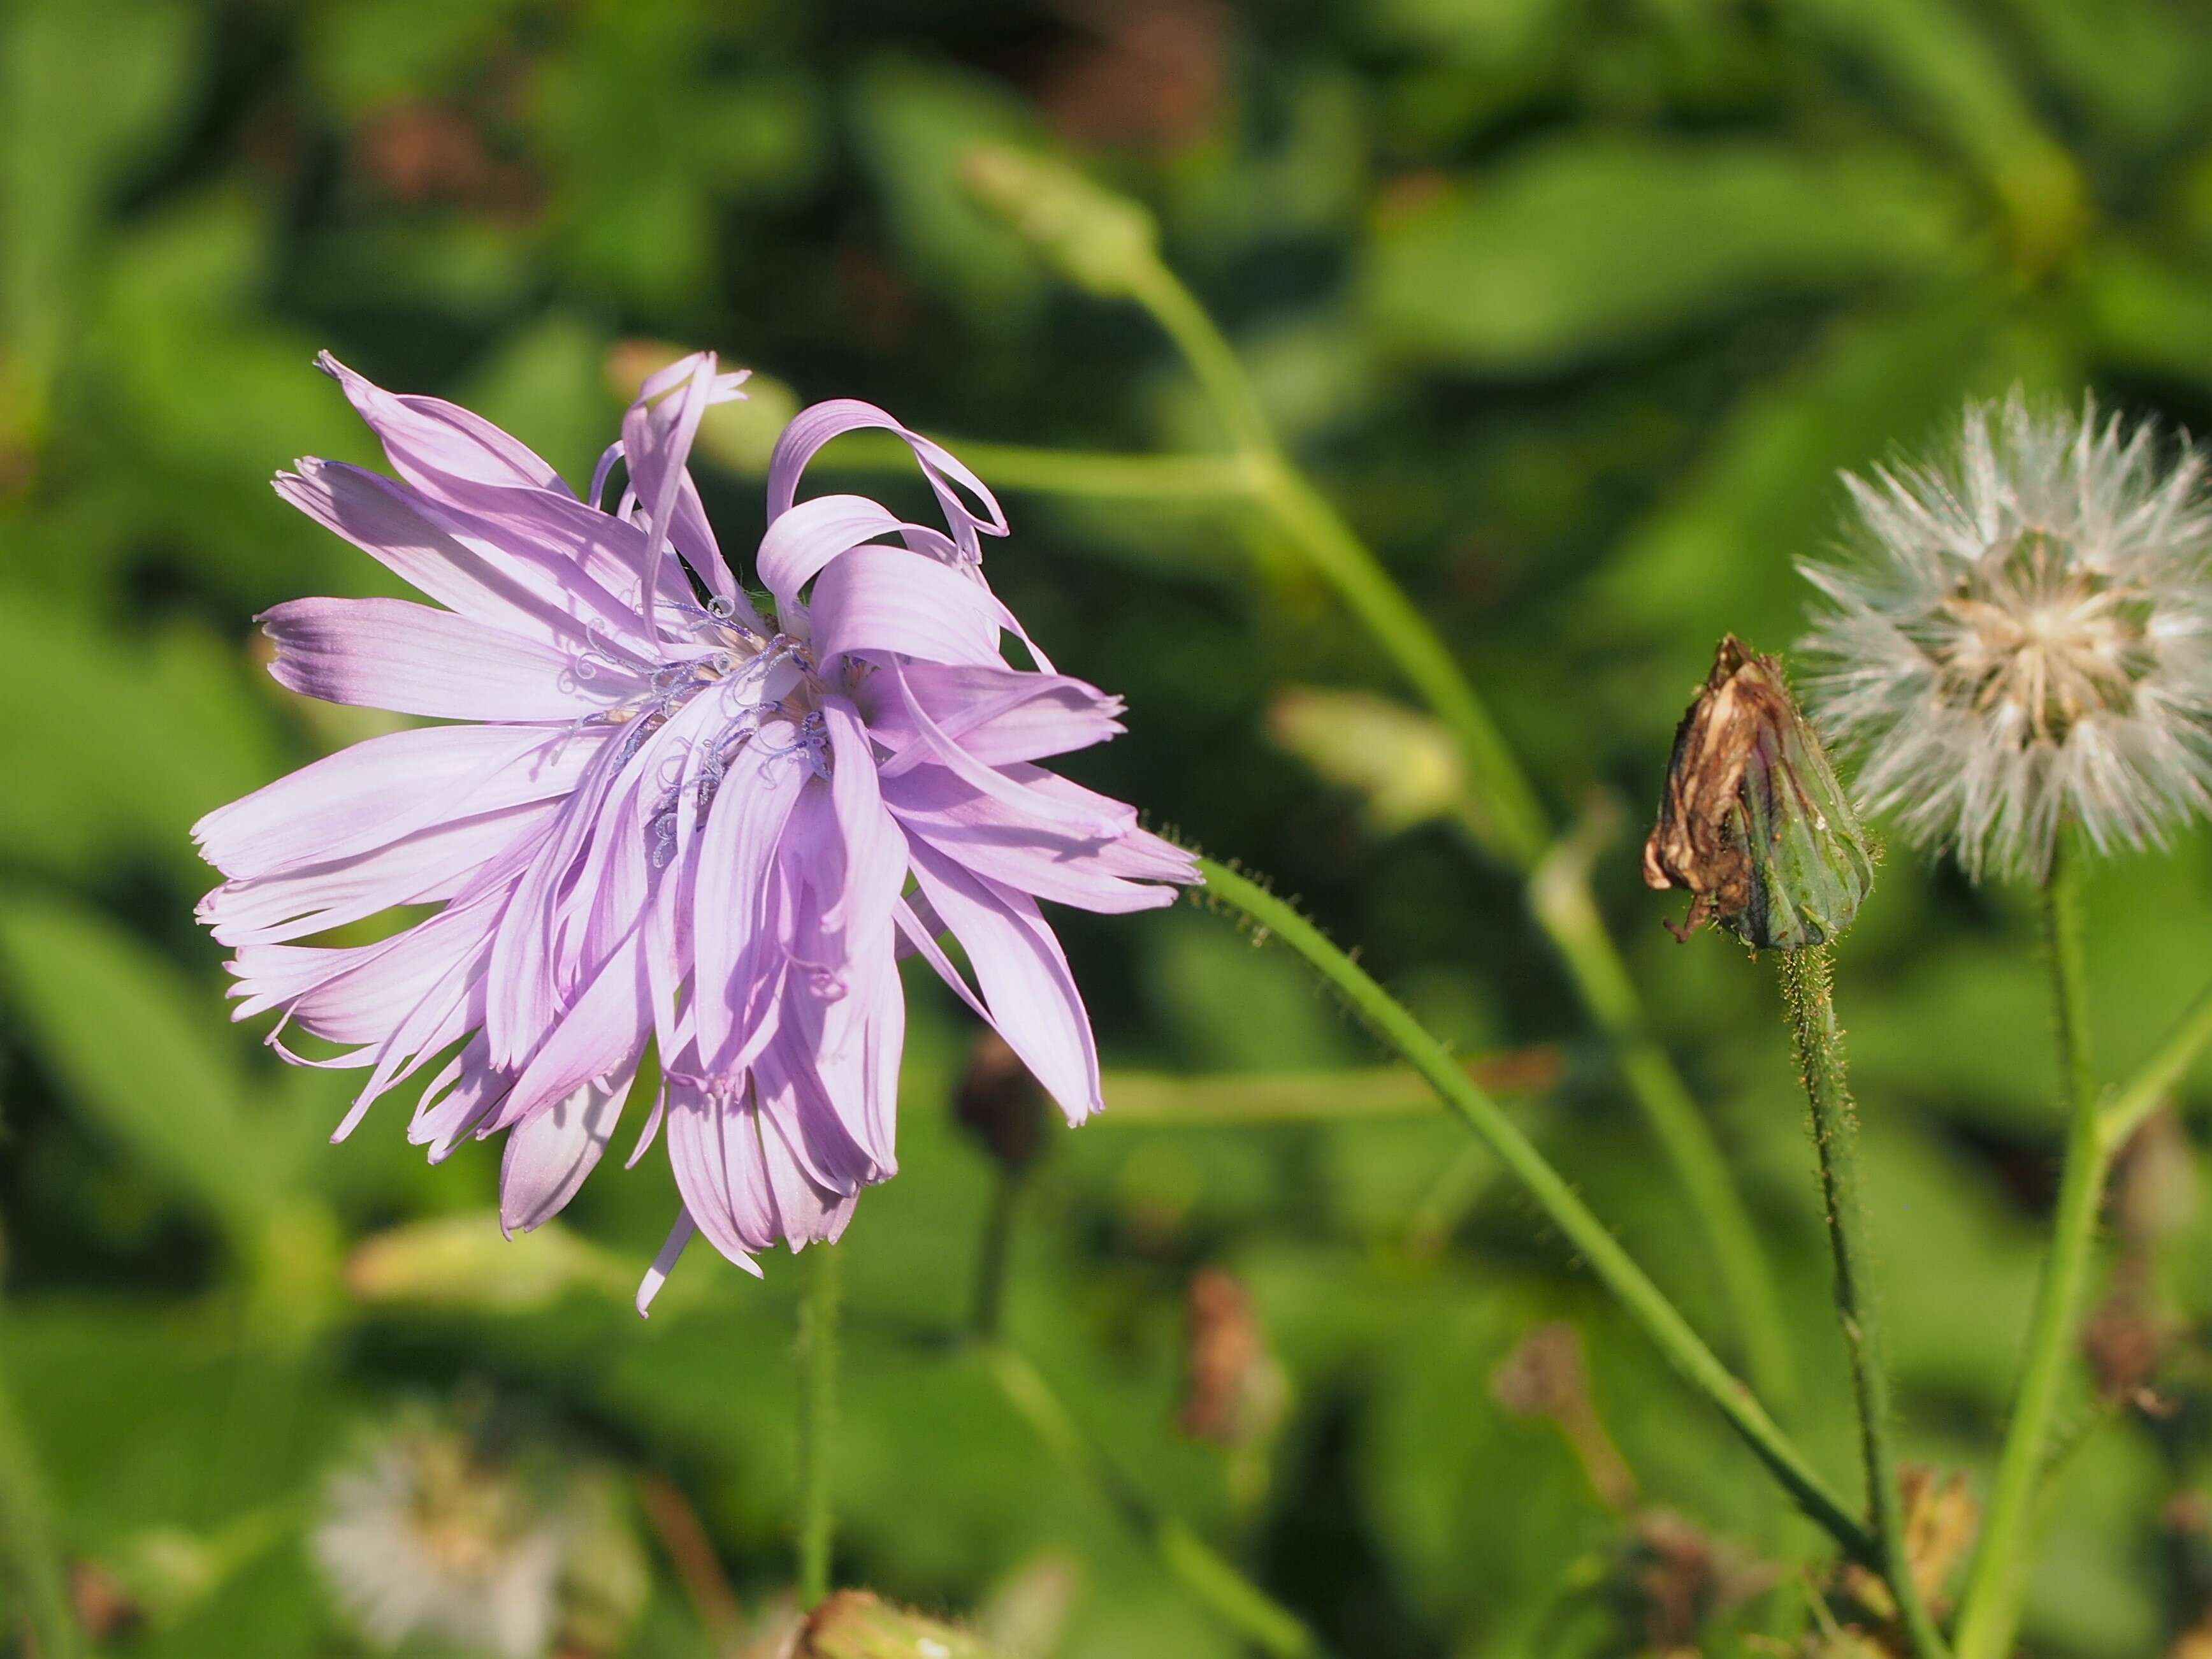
{"x": 1808, "y": 998}
{"x": 1097, "y": 475}
{"x": 1194, "y": 1563}
{"x": 1559, "y": 896}
{"x": 1510, "y": 820}
{"x": 1505, "y": 814}
{"x": 817, "y": 1420}
{"x": 1643, "y": 1300}
{"x": 1990, "y": 1613}
{"x": 2126, "y": 1107}
{"x": 38, "y": 1593}
{"x": 1211, "y": 359}
{"x": 991, "y": 1260}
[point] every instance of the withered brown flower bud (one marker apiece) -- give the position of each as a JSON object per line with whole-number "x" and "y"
{"x": 1000, "y": 1104}
{"x": 1237, "y": 1392}
{"x": 1753, "y": 821}
{"x": 1941, "y": 1520}
{"x": 1544, "y": 1376}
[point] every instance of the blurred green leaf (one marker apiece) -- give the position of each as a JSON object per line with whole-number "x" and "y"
{"x": 1584, "y": 246}
{"x": 1720, "y": 554}
{"x": 143, "y": 753}
{"x": 86, "y": 90}
{"x": 917, "y": 124}
{"x": 204, "y": 398}
{"x": 1957, "y": 79}
{"x": 2148, "y": 313}
{"x": 136, "y": 1045}
{"x": 2136, "y": 64}
{"x": 1403, "y": 765}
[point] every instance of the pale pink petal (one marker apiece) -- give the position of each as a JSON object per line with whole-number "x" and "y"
{"x": 417, "y": 869}
{"x": 413, "y": 660}
{"x": 385, "y": 787}
{"x": 603, "y": 1031}
{"x": 998, "y": 714}
{"x": 815, "y": 426}
{"x": 888, "y": 599}
{"x": 431, "y": 442}
{"x": 1024, "y": 976}
{"x": 744, "y": 826}
{"x": 548, "y": 1156}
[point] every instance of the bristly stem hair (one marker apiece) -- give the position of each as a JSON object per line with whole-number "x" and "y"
{"x": 1996, "y": 1586}
{"x": 1644, "y": 1301}
{"x": 1808, "y": 1002}
{"x": 1504, "y": 804}
{"x": 1502, "y": 813}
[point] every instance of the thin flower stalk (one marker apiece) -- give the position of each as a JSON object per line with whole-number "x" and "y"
{"x": 1989, "y": 1611}
{"x": 31, "y": 1568}
{"x": 995, "y": 1255}
{"x": 818, "y": 1424}
{"x": 1503, "y": 812}
{"x": 1196, "y": 1565}
{"x": 1809, "y": 1001}
{"x": 1630, "y": 1285}
{"x": 2126, "y": 1107}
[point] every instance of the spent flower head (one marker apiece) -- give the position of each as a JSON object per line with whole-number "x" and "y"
{"x": 660, "y": 816}
{"x": 426, "y": 1538}
{"x": 2023, "y": 637}
{"x": 1751, "y": 820}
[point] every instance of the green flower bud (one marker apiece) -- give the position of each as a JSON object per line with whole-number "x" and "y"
{"x": 1097, "y": 240}
{"x": 855, "y": 1624}
{"x": 1753, "y": 822}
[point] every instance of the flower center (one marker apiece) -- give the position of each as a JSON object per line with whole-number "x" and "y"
{"x": 763, "y": 697}
{"x": 2039, "y": 639}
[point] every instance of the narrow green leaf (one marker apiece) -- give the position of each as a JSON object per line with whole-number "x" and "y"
{"x": 140, "y": 1050}
{"x": 1586, "y": 245}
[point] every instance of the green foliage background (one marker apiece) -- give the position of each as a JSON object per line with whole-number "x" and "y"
{"x": 1574, "y": 306}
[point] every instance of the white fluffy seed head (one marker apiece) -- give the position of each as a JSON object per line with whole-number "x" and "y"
{"x": 2022, "y": 635}
{"x": 423, "y": 1541}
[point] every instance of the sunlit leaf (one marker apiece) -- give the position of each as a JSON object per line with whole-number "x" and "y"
{"x": 1587, "y": 245}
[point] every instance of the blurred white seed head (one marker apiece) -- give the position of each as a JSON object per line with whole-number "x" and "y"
{"x": 426, "y": 1539}
{"x": 2022, "y": 634}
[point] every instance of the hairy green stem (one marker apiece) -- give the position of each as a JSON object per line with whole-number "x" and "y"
{"x": 1195, "y": 1564}
{"x": 817, "y": 1420}
{"x": 1503, "y": 811}
{"x": 1808, "y": 1000}
{"x": 2126, "y": 1107}
{"x": 38, "y": 1594}
{"x": 1643, "y": 1300}
{"x": 1990, "y": 1613}
{"x": 1560, "y": 895}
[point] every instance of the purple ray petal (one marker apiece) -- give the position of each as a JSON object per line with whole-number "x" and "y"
{"x": 412, "y": 659}
{"x": 1024, "y": 976}
{"x": 548, "y": 1157}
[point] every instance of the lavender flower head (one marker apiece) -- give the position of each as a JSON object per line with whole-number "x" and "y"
{"x": 660, "y": 817}
{"x": 2026, "y": 639}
